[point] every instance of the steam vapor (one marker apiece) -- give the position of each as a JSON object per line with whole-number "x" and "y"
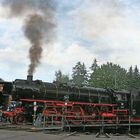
{"x": 38, "y": 26}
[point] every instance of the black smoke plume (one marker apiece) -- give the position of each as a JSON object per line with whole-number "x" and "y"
{"x": 39, "y": 24}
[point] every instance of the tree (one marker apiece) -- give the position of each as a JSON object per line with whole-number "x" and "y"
{"x": 130, "y": 78}
{"x": 94, "y": 65}
{"x": 136, "y": 78}
{"x": 109, "y": 76}
{"x": 61, "y": 78}
{"x": 133, "y": 78}
{"x": 1, "y": 80}
{"x": 79, "y": 74}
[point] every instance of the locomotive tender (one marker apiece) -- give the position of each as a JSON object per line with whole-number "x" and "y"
{"x": 79, "y": 105}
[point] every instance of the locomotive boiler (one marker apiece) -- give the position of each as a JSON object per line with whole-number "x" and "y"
{"x": 29, "y": 89}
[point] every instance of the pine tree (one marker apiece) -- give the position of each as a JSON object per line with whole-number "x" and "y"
{"x": 94, "y": 65}
{"x": 79, "y": 74}
{"x": 1, "y": 80}
{"x": 109, "y": 76}
{"x": 130, "y": 78}
{"x": 61, "y": 78}
{"x": 136, "y": 77}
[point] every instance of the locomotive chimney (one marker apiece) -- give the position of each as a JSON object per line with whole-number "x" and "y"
{"x": 29, "y": 78}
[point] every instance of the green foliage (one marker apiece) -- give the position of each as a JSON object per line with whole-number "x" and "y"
{"x": 136, "y": 78}
{"x": 61, "y": 78}
{"x": 94, "y": 65}
{"x": 109, "y": 76}
{"x": 1, "y": 80}
{"x": 79, "y": 74}
{"x": 133, "y": 78}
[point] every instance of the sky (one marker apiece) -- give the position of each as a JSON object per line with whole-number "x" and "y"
{"x": 108, "y": 30}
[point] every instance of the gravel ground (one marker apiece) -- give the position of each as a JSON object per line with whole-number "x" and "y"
{"x": 23, "y": 135}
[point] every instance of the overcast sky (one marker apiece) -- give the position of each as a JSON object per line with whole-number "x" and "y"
{"x": 108, "y": 30}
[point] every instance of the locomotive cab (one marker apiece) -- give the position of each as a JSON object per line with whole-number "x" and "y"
{"x": 123, "y": 99}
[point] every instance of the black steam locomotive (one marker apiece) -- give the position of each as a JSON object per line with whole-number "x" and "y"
{"x": 87, "y": 101}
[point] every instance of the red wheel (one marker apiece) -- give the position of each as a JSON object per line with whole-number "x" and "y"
{"x": 52, "y": 116}
{"x": 94, "y": 115}
{"x": 77, "y": 115}
{"x": 19, "y": 118}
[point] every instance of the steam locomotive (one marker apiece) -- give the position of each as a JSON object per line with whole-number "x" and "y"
{"x": 78, "y": 105}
